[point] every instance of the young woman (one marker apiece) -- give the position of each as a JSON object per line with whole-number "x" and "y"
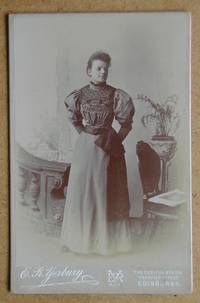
{"x": 96, "y": 215}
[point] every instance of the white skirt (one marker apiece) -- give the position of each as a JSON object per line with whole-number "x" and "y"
{"x": 85, "y": 227}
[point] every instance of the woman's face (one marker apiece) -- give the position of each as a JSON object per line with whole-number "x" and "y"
{"x": 98, "y": 72}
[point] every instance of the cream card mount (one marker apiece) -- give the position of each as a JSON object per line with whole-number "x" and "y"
{"x": 100, "y": 149}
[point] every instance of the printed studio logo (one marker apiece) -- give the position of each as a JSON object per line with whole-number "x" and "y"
{"x": 115, "y": 278}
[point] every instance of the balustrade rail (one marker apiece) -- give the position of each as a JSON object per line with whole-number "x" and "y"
{"x": 42, "y": 185}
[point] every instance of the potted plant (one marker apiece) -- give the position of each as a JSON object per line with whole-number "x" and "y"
{"x": 165, "y": 121}
{"x": 163, "y": 117}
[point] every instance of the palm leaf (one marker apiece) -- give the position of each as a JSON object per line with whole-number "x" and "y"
{"x": 146, "y": 119}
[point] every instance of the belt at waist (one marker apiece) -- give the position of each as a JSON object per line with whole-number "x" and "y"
{"x": 108, "y": 140}
{"x": 94, "y": 130}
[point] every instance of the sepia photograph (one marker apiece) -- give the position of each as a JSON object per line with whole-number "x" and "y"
{"x": 100, "y": 149}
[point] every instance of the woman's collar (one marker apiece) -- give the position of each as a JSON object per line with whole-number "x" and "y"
{"x": 97, "y": 86}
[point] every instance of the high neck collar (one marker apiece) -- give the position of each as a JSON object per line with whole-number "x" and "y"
{"x": 97, "y": 86}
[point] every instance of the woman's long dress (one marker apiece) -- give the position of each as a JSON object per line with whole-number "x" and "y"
{"x": 96, "y": 215}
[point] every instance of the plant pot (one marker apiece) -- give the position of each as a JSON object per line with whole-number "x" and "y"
{"x": 164, "y": 146}
{"x": 162, "y": 138}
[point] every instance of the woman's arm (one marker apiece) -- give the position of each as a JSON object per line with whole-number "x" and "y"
{"x": 73, "y": 110}
{"x": 123, "y": 111}
{"x": 123, "y": 132}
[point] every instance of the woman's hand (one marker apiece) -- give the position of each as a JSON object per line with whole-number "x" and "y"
{"x": 79, "y": 128}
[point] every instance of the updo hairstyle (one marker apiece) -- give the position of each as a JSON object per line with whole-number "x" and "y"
{"x": 99, "y": 55}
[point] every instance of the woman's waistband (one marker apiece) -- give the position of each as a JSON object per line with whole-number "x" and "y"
{"x": 108, "y": 140}
{"x": 95, "y": 130}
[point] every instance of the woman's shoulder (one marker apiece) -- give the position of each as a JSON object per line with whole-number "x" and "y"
{"x": 121, "y": 94}
{"x": 72, "y": 98}
{"x": 74, "y": 94}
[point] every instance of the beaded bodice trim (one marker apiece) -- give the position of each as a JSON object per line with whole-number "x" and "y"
{"x": 96, "y": 105}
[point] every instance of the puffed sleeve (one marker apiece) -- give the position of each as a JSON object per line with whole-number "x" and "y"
{"x": 72, "y": 103}
{"x": 123, "y": 109}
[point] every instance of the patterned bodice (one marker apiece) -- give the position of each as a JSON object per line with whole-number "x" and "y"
{"x": 96, "y": 105}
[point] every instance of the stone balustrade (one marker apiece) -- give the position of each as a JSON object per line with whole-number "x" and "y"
{"x": 41, "y": 185}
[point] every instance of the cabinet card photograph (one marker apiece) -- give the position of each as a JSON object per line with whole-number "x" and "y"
{"x": 100, "y": 150}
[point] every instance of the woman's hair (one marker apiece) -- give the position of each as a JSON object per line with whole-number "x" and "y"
{"x": 99, "y": 55}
